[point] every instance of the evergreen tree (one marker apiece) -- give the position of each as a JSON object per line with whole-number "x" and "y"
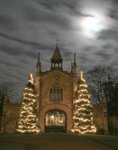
{"x": 28, "y": 121}
{"x": 83, "y": 115}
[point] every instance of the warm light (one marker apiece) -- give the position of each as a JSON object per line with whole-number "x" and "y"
{"x": 30, "y": 79}
{"x": 82, "y": 114}
{"x": 52, "y": 116}
{"x": 28, "y": 121}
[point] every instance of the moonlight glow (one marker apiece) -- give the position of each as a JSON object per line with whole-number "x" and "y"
{"x": 92, "y": 24}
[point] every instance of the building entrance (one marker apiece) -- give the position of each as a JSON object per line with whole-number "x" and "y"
{"x": 55, "y": 121}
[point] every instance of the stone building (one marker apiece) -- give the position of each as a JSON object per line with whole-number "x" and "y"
{"x": 9, "y": 115}
{"x": 56, "y": 91}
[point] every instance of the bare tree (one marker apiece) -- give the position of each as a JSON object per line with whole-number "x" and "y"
{"x": 96, "y": 76}
{"x": 11, "y": 90}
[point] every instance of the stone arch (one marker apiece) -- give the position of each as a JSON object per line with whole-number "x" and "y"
{"x": 56, "y": 106}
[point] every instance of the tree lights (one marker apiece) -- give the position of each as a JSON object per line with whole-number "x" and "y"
{"x": 28, "y": 121}
{"x": 82, "y": 114}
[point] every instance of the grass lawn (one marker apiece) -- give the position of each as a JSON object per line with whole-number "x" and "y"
{"x": 108, "y": 140}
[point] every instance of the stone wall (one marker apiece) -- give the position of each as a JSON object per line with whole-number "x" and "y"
{"x": 98, "y": 118}
{"x": 113, "y": 124}
{"x": 10, "y": 118}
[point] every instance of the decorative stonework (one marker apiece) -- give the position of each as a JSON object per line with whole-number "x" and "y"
{"x": 57, "y": 77}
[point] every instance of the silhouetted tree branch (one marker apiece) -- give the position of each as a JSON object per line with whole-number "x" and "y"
{"x": 11, "y": 90}
{"x": 95, "y": 77}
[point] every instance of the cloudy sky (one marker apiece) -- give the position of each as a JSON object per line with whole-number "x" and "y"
{"x": 88, "y": 28}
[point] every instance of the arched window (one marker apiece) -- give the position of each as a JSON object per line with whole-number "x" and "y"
{"x": 56, "y": 94}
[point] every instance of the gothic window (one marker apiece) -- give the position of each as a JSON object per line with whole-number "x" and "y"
{"x": 56, "y": 94}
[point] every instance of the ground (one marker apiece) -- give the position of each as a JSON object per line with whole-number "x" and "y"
{"x": 50, "y": 141}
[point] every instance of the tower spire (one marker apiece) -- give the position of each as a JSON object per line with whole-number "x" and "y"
{"x": 56, "y": 60}
{"x": 74, "y": 65}
{"x": 38, "y": 57}
{"x": 57, "y": 43}
{"x": 38, "y": 65}
{"x": 75, "y": 58}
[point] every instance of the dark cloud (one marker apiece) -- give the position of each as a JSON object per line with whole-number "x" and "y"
{"x": 19, "y": 52}
{"x": 108, "y": 46}
{"x": 11, "y": 51}
{"x": 113, "y": 11}
{"x": 23, "y": 61}
{"x": 5, "y": 20}
{"x": 67, "y": 56}
{"x": 103, "y": 55}
{"x": 116, "y": 50}
{"x": 115, "y": 1}
{"x": 87, "y": 49}
{"x": 28, "y": 27}
{"x": 53, "y": 33}
{"x": 52, "y": 5}
{"x": 9, "y": 64}
{"x": 110, "y": 34}
{"x": 21, "y": 47}
{"x": 7, "y": 23}
{"x": 3, "y": 35}
{"x": 83, "y": 59}
{"x": 53, "y": 19}
{"x": 113, "y": 14}
{"x": 73, "y": 6}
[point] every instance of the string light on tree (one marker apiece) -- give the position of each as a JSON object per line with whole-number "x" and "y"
{"x": 28, "y": 121}
{"x": 82, "y": 114}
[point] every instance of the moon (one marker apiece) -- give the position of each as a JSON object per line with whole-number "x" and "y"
{"x": 91, "y": 24}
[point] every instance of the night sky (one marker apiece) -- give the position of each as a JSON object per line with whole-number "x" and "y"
{"x": 88, "y": 28}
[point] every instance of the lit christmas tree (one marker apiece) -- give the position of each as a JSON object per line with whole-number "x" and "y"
{"x": 28, "y": 121}
{"x": 83, "y": 115}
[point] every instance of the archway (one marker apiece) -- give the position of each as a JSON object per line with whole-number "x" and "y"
{"x": 55, "y": 121}
{"x": 55, "y": 106}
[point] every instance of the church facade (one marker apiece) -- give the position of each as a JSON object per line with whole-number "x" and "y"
{"x": 56, "y": 91}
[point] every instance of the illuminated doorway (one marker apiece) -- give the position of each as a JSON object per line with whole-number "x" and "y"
{"x": 55, "y": 121}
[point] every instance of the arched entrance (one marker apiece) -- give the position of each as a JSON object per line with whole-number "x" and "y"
{"x": 55, "y": 121}
{"x": 56, "y": 106}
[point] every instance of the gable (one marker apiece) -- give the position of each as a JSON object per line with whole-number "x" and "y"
{"x": 57, "y": 77}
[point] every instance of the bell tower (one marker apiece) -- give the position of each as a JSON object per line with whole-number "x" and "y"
{"x": 56, "y": 60}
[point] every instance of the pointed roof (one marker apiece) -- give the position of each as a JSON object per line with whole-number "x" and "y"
{"x": 56, "y": 55}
